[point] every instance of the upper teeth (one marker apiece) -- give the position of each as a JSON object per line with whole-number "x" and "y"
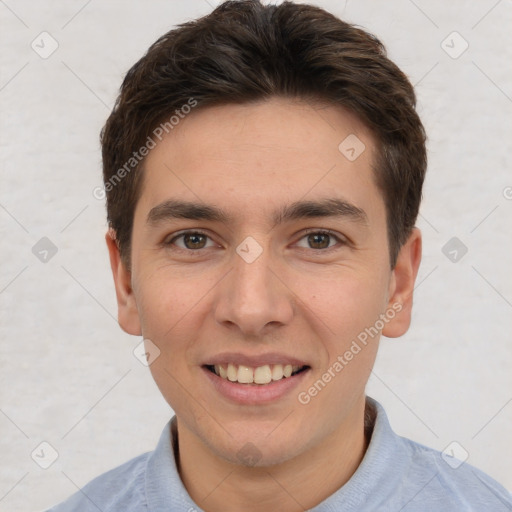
{"x": 260, "y": 375}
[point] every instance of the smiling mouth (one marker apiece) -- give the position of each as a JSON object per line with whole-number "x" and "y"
{"x": 260, "y": 375}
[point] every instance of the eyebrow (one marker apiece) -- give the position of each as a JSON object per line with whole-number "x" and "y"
{"x": 328, "y": 207}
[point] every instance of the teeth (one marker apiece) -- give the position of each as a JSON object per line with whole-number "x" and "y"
{"x": 260, "y": 375}
{"x": 245, "y": 375}
{"x": 232, "y": 372}
{"x": 263, "y": 375}
{"x": 277, "y": 372}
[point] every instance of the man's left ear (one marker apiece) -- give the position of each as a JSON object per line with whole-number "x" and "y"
{"x": 401, "y": 286}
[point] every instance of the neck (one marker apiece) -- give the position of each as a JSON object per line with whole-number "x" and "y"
{"x": 298, "y": 484}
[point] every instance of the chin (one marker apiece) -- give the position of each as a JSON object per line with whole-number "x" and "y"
{"x": 256, "y": 451}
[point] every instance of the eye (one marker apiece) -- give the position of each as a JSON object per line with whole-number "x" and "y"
{"x": 196, "y": 240}
{"x": 320, "y": 239}
{"x": 191, "y": 240}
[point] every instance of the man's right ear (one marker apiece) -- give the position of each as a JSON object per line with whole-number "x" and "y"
{"x": 127, "y": 312}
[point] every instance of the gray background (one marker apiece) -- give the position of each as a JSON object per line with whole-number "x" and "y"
{"x": 68, "y": 374}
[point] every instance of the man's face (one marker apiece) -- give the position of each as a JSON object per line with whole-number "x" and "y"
{"x": 260, "y": 286}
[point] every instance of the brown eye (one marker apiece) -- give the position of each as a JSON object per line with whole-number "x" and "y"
{"x": 319, "y": 240}
{"x": 194, "y": 241}
{"x": 191, "y": 240}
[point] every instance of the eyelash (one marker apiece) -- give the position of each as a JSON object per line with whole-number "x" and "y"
{"x": 309, "y": 231}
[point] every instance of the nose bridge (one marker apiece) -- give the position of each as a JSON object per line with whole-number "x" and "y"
{"x": 252, "y": 274}
{"x": 252, "y": 296}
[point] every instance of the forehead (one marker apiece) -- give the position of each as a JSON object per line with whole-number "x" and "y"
{"x": 253, "y": 154}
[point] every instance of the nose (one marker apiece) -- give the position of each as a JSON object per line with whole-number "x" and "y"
{"x": 253, "y": 297}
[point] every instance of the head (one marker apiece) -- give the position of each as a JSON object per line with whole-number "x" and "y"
{"x": 287, "y": 145}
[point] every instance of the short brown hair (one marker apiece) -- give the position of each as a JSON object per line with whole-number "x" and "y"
{"x": 245, "y": 51}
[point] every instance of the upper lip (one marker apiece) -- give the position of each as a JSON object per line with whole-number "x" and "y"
{"x": 253, "y": 361}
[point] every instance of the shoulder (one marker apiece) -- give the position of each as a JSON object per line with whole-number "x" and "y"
{"x": 445, "y": 483}
{"x": 400, "y": 474}
{"x": 120, "y": 489}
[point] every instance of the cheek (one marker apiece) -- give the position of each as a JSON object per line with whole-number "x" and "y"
{"x": 165, "y": 298}
{"x": 172, "y": 307}
{"x": 347, "y": 302}
{"x": 168, "y": 309}
{"x": 348, "y": 311}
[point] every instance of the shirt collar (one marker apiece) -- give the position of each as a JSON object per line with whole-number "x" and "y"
{"x": 165, "y": 490}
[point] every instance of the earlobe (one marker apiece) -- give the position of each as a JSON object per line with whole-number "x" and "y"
{"x": 402, "y": 286}
{"x": 127, "y": 312}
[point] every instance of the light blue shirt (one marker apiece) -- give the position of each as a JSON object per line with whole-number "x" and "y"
{"x": 396, "y": 474}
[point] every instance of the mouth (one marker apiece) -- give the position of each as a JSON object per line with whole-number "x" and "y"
{"x": 261, "y": 381}
{"x": 254, "y": 379}
{"x": 260, "y": 375}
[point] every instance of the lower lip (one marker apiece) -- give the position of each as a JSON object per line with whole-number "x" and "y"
{"x": 255, "y": 394}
